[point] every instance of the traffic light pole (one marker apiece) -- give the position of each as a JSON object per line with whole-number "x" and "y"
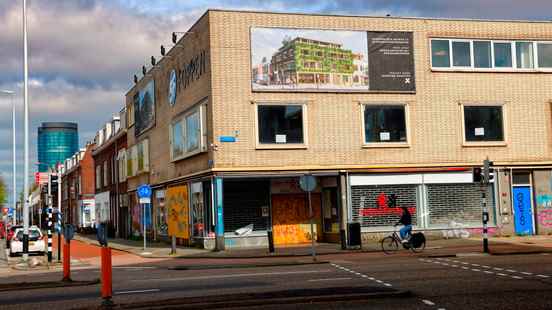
{"x": 59, "y": 213}
{"x": 484, "y": 189}
{"x": 49, "y": 219}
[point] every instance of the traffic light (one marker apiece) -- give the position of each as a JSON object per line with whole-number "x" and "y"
{"x": 477, "y": 177}
{"x": 487, "y": 170}
{"x": 53, "y": 180}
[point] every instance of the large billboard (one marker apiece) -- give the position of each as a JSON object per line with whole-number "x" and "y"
{"x": 284, "y": 59}
{"x": 144, "y": 108}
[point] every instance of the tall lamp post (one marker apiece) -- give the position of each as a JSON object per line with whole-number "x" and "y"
{"x": 26, "y": 140}
{"x": 14, "y": 214}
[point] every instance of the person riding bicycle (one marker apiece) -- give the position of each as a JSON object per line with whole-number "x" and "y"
{"x": 406, "y": 220}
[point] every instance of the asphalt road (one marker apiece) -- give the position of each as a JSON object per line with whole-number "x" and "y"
{"x": 472, "y": 282}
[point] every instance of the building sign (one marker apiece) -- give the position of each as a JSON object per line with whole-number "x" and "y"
{"x": 391, "y": 59}
{"x": 144, "y": 109}
{"x": 331, "y": 60}
{"x": 192, "y": 70}
{"x": 177, "y": 203}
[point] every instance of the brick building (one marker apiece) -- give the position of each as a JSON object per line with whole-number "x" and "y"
{"x": 437, "y": 97}
{"x": 110, "y": 170}
{"x": 77, "y": 189}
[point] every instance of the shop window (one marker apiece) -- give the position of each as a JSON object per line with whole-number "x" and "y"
{"x": 502, "y": 54}
{"x": 524, "y": 55}
{"x": 188, "y": 133}
{"x": 521, "y": 178}
{"x": 280, "y": 124}
{"x": 384, "y": 123}
{"x": 545, "y": 55}
{"x": 440, "y": 54}
{"x": 482, "y": 54}
{"x": 483, "y": 123}
{"x": 461, "y": 54}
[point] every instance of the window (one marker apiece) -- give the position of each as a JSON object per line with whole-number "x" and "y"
{"x": 440, "y": 55}
{"x": 98, "y": 177}
{"x": 105, "y": 174}
{"x": 461, "y": 55}
{"x": 524, "y": 55}
{"x": 188, "y": 133}
{"x": 544, "y": 51}
{"x": 384, "y": 123}
{"x": 122, "y": 165}
{"x": 130, "y": 112}
{"x": 482, "y": 54}
{"x": 483, "y": 123}
{"x": 280, "y": 124}
{"x": 502, "y": 54}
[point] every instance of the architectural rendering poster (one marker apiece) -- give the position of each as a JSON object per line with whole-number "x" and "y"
{"x": 144, "y": 108}
{"x": 308, "y": 60}
{"x": 390, "y": 55}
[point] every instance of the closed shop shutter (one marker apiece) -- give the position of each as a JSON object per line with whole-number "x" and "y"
{"x": 243, "y": 201}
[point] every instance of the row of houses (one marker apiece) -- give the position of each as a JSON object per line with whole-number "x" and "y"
{"x": 383, "y": 111}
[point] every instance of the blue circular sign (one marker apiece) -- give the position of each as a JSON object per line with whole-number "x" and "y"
{"x": 144, "y": 191}
{"x": 172, "y": 87}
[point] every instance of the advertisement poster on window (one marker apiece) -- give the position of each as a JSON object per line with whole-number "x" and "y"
{"x": 308, "y": 60}
{"x": 144, "y": 108}
{"x": 177, "y": 203}
{"x": 391, "y": 59}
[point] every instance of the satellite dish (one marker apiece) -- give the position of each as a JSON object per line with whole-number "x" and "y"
{"x": 163, "y": 52}
{"x": 135, "y": 79}
{"x": 144, "y": 70}
{"x": 153, "y": 61}
{"x": 174, "y": 37}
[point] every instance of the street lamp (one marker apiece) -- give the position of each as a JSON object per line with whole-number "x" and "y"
{"x": 26, "y": 139}
{"x": 14, "y": 215}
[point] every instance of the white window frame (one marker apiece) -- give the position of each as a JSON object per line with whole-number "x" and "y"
{"x": 365, "y": 144}
{"x": 98, "y": 176}
{"x": 201, "y": 108}
{"x": 493, "y": 68}
{"x": 304, "y": 113}
{"x": 504, "y": 142}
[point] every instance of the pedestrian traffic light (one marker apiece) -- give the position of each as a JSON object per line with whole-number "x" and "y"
{"x": 477, "y": 177}
{"x": 487, "y": 170}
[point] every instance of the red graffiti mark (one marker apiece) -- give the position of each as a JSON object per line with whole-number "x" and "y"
{"x": 382, "y": 200}
{"x": 545, "y": 218}
{"x": 385, "y": 210}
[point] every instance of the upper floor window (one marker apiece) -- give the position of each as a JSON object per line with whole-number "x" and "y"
{"x": 385, "y": 124}
{"x": 281, "y": 124}
{"x": 188, "y": 132}
{"x": 484, "y": 55}
{"x": 483, "y": 123}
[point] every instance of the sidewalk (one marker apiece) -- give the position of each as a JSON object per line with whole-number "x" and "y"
{"x": 498, "y": 246}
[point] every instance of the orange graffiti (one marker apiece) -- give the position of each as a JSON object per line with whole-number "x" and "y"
{"x": 178, "y": 208}
{"x": 291, "y": 220}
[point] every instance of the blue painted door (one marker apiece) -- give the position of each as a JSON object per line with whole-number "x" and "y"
{"x": 523, "y": 213}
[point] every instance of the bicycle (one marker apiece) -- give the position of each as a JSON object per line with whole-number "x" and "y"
{"x": 390, "y": 244}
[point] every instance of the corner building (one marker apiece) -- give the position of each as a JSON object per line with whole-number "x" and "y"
{"x": 223, "y": 136}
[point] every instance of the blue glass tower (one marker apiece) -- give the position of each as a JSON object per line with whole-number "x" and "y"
{"x": 56, "y": 142}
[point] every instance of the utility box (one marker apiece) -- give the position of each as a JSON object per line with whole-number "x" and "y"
{"x": 353, "y": 231}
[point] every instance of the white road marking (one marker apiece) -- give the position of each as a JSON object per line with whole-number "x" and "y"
{"x": 476, "y": 265}
{"x": 526, "y": 273}
{"x": 238, "y": 275}
{"x": 485, "y": 266}
{"x": 137, "y": 291}
{"x": 428, "y": 302}
{"x": 379, "y": 281}
{"x": 475, "y": 269}
{"x": 501, "y": 274}
{"x": 464, "y": 267}
{"x": 328, "y": 279}
{"x": 130, "y": 267}
{"x": 371, "y": 278}
{"x": 387, "y": 284}
{"x": 516, "y": 277}
{"x": 489, "y": 272}
{"x": 454, "y": 266}
{"x": 498, "y": 268}
{"x": 510, "y": 270}
{"x": 358, "y": 274}
{"x": 542, "y": 276}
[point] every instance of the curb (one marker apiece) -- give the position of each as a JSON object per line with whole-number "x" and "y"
{"x": 331, "y": 294}
{"x": 40, "y": 285}
{"x": 202, "y": 267}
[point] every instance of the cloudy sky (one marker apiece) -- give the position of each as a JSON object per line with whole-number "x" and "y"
{"x": 83, "y": 53}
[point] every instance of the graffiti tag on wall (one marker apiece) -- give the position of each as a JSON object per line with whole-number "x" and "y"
{"x": 386, "y": 205}
{"x": 545, "y": 218}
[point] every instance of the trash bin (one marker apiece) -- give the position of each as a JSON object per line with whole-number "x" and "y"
{"x": 353, "y": 231}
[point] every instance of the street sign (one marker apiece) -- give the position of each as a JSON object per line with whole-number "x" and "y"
{"x": 307, "y": 183}
{"x": 145, "y": 200}
{"x": 144, "y": 191}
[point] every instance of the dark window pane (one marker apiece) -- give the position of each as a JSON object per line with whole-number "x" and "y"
{"x": 384, "y": 124}
{"x": 503, "y": 55}
{"x": 524, "y": 55}
{"x": 483, "y": 123}
{"x": 461, "y": 54}
{"x": 545, "y": 55}
{"x": 280, "y": 124}
{"x": 482, "y": 54}
{"x": 440, "y": 54}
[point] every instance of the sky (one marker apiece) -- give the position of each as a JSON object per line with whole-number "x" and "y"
{"x": 83, "y": 53}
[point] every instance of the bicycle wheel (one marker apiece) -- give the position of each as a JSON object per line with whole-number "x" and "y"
{"x": 418, "y": 245}
{"x": 389, "y": 245}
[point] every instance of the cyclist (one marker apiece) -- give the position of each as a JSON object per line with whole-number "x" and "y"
{"x": 406, "y": 220}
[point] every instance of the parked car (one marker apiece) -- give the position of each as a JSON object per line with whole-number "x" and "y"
{"x": 11, "y": 231}
{"x": 36, "y": 242}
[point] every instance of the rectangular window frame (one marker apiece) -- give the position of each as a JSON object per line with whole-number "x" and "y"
{"x": 536, "y": 68}
{"x": 284, "y": 146}
{"x": 200, "y": 107}
{"x": 485, "y": 143}
{"x": 405, "y": 144}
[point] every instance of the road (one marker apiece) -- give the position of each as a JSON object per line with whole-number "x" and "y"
{"x": 470, "y": 282}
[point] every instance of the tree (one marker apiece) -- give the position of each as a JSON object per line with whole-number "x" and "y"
{"x": 3, "y": 191}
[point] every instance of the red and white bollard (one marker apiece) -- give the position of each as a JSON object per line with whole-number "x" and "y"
{"x": 107, "y": 289}
{"x": 66, "y": 260}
